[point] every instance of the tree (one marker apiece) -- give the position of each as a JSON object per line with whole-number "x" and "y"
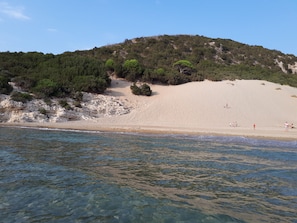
{"x": 110, "y": 65}
{"x": 132, "y": 69}
{"x": 184, "y": 67}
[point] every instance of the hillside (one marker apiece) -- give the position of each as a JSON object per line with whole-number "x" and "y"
{"x": 213, "y": 59}
{"x": 161, "y": 59}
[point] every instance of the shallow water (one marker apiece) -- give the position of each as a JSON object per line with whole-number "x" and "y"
{"x": 68, "y": 176}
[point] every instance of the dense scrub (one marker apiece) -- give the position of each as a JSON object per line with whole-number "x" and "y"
{"x": 183, "y": 58}
{"x": 48, "y": 75}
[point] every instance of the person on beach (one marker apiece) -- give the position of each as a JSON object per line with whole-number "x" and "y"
{"x": 233, "y": 124}
{"x": 286, "y": 126}
{"x": 226, "y": 106}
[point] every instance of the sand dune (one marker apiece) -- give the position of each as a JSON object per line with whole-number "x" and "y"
{"x": 226, "y": 107}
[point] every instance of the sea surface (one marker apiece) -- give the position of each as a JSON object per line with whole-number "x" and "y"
{"x": 74, "y": 176}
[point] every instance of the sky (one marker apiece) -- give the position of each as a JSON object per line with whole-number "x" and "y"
{"x": 57, "y": 26}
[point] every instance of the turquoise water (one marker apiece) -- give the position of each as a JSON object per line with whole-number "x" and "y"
{"x": 68, "y": 176}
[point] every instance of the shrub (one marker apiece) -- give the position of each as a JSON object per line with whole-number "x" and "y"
{"x": 5, "y": 87}
{"x": 146, "y": 90}
{"x": 65, "y": 104}
{"x": 47, "y": 101}
{"x": 21, "y": 97}
{"x": 24, "y": 82}
{"x": 46, "y": 88}
{"x": 142, "y": 90}
{"x": 90, "y": 84}
{"x": 78, "y": 96}
{"x": 132, "y": 69}
{"x": 42, "y": 111}
{"x": 110, "y": 65}
{"x": 135, "y": 89}
{"x": 77, "y": 104}
{"x": 176, "y": 79}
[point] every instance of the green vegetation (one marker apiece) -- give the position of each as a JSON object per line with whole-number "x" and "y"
{"x": 131, "y": 70}
{"x": 43, "y": 111}
{"x": 5, "y": 87}
{"x": 184, "y": 67}
{"x": 65, "y": 104}
{"x": 161, "y": 59}
{"x": 46, "y": 88}
{"x": 144, "y": 89}
{"x": 48, "y": 75}
{"x": 183, "y": 58}
{"x": 21, "y": 97}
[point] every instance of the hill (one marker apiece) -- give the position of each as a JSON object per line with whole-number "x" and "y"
{"x": 161, "y": 59}
{"x": 183, "y": 58}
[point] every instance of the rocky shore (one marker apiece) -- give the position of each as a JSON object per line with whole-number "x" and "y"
{"x": 92, "y": 106}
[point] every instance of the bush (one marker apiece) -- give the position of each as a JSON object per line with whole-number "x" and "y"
{"x": 77, "y": 104}
{"x": 146, "y": 90}
{"x": 5, "y": 87}
{"x": 47, "y": 101}
{"x": 176, "y": 79}
{"x": 42, "y": 111}
{"x": 132, "y": 70}
{"x": 24, "y": 83}
{"x": 65, "y": 104}
{"x": 46, "y": 88}
{"x": 135, "y": 89}
{"x": 142, "y": 90}
{"x": 21, "y": 97}
{"x": 90, "y": 84}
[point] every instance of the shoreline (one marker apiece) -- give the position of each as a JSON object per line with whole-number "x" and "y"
{"x": 243, "y": 108}
{"x": 265, "y": 134}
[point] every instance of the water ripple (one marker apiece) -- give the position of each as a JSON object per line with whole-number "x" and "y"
{"x": 91, "y": 177}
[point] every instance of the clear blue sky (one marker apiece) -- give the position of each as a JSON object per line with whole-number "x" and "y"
{"x": 56, "y": 26}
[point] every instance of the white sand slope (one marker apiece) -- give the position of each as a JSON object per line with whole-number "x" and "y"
{"x": 213, "y": 105}
{"x": 204, "y": 107}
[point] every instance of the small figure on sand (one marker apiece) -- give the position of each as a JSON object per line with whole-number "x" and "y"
{"x": 286, "y": 126}
{"x": 226, "y": 106}
{"x": 254, "y": 125}
{"x": 233, "y": 124}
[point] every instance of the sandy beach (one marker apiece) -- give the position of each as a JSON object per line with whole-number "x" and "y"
{"x": 250, "y": 108}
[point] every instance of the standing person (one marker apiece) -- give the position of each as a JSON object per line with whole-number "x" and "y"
{"x": 254, "y": 125}
{"x": 286, "y": 126}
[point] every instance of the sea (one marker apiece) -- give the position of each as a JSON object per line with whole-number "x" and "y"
{"x": 51, "y": 175}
